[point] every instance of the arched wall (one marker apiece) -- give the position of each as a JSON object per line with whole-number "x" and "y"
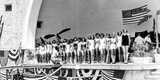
{"x": 28, "y": 40}
{"x": 19, "y": 24}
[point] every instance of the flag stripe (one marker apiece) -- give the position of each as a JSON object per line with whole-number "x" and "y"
{"x": 137, "y": 20}
{"x": 137, "y": 16}
{"x": 131, "y": 22}
{"x": 142, "y": 13}
{"x": 128, "y": 13}
{"x": 139, "y": 10}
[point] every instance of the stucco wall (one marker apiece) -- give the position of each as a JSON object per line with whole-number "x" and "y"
{"x": 13, "y": 22}
{"x": 19, "y": 24}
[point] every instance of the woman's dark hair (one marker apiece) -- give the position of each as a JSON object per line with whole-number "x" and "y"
{"x": 97, "y": 35}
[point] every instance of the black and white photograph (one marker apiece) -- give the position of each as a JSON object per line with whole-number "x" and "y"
{"x": 79, "y": 39}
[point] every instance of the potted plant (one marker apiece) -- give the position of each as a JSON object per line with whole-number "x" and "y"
{"x": 142, "y": 54}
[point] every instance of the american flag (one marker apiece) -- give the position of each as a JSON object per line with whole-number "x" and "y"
{"x": 136, "y": 16}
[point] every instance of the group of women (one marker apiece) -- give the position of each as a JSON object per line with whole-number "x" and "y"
{"x": 97, "y": 48}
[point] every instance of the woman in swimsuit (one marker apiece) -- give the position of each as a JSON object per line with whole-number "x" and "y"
{"x": 113, "y": 48}
{"x": 97, "y": 45}
{"x": 125, "y": 44}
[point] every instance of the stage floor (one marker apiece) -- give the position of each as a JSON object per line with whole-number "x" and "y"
{"x": 118, "y": 66}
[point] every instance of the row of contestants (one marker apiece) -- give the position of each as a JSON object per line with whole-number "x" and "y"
{"x": 98, "y": 48}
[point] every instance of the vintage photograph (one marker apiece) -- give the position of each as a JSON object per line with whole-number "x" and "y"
{"x": 79, "y": 39}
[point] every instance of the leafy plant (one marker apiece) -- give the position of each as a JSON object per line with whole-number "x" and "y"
{"x": 141, "y": 50}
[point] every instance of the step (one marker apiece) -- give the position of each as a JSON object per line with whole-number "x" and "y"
{"x": 155, "y": 73}
{"x": 152, "y": 77}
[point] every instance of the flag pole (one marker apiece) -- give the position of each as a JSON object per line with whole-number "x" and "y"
{"x": 156, "y": 28}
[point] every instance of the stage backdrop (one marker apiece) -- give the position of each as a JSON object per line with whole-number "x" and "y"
{"x": 90, "y": 16}
{"x": 83, "y": 16}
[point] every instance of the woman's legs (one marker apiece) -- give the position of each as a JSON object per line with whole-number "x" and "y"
{"x": 107, "y": 56}
{"x": 73, "y": 57}
{"x": 121, "y": 53}
{"x": 86, "y": 56}
{"x": 96, "y": 55}
{"x": 126, "y": 54}
{"x": 104, "y": 55}
{"x": 77, "y": 56}
{"x": 101, "y": 56}
{"x": 68, "y": 57}
{"x": 89, "y": 57}
{"x": 113, "y": 55}
{"x": 117, "y": 55}
{"x": 92, "y": 56}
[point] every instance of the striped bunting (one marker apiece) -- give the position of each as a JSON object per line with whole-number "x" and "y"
{"x": 112, "y": 74}
{"x": 13, "y": 55}
{"x": 136, "y": 15}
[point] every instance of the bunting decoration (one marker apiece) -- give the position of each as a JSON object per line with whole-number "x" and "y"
{"x": 112, "y": 74}
{"x": 136, "y": 16}
{"x": 16, "y": 55}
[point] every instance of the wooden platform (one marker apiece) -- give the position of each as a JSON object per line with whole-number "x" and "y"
{"x": 130, "y": 66}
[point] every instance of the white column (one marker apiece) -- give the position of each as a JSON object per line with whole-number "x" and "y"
{"x": 28, "y": 38}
